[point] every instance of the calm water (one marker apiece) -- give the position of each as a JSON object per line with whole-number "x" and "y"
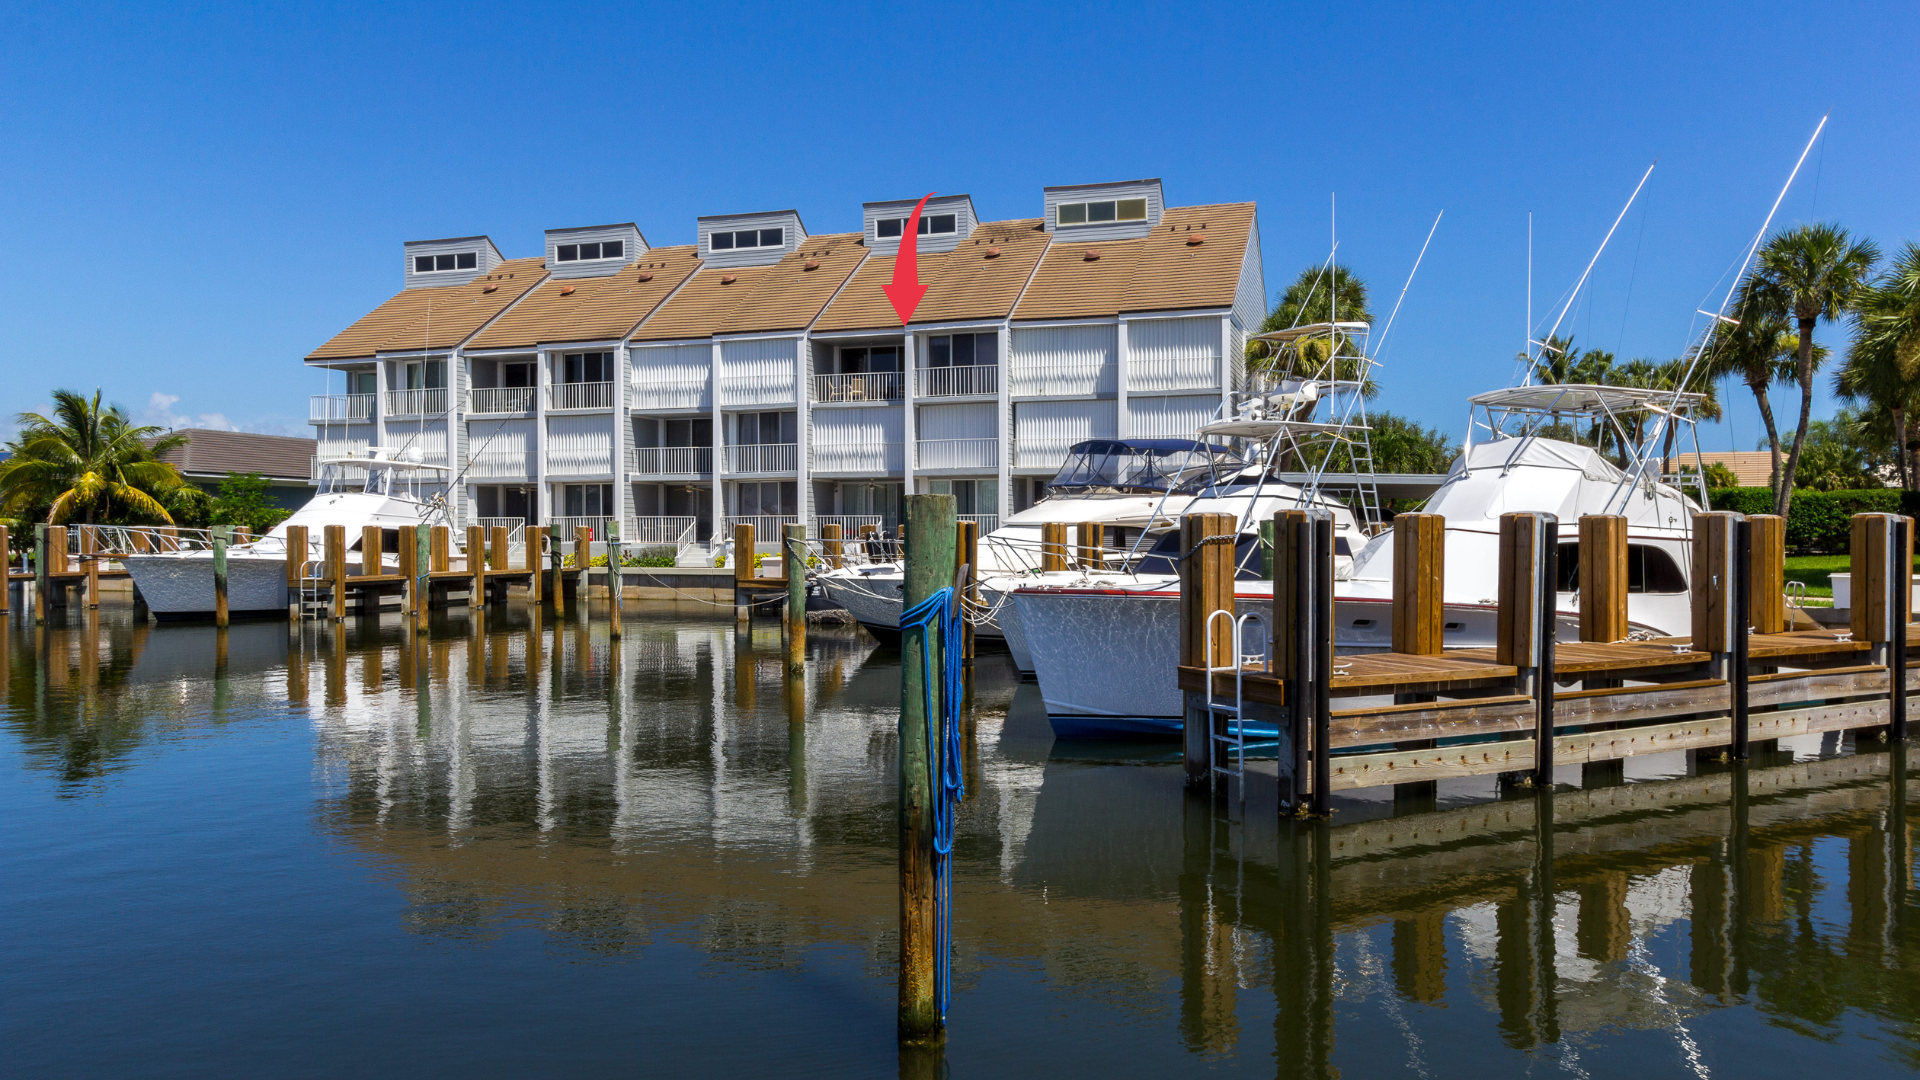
{"x": 329, "y": 851}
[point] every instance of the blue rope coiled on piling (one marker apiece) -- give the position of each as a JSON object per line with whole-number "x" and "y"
{"x": 948, "y": 784}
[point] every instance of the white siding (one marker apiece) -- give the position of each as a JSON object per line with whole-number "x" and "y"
{"x": 757, "y": 372}
{"x": 500, "y": 449}
{"x": 796, "y": 234}
{"x": 633, "y": 246}
{"x": 1058, "y": 360}
{"x": 1107, "y": 230}
{"x": 857, "y": 442}
{"x": 488, "y": 258}
{"x": 973, "y": 420}
{"x": 960, "y": 206}
{"x": 1044, "y": 430}
{"x": 1173, "y": 354}
{"x": 335, "y": 444}
{"x": 1250, "y": 296}
{"x": 1169, "y": 417}
{"x": 430, "y": 438}
{"x": 673, "y": 377}
{"x": 580, "y": 445}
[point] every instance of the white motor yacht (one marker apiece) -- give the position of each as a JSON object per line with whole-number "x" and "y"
{"x": 1104, "y": 649}
{"x": 354, "y": 492}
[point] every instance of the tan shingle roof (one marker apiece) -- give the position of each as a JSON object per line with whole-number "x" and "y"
{"x": 790, "y": 296}
{"x": 434, "y": 318}
{"x": 1172, "y": 274}
{"x": 704, "y": 303}
{"x": 1159, "y": 272}
{"x": 596, "y": 308}
{"x": 962, "y": 284}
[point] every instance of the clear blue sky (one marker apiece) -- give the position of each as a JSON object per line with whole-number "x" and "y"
{"x": 197, "y": 195}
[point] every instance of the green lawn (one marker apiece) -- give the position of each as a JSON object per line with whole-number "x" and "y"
{"x": 1818, "y": 570}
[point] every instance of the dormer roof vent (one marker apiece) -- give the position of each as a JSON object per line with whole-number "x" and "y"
{"x": 728, "y": 240}
{"x": 947, "y": 220}
{"x": 1123, "y": 210}
{"x": 453, "y": 261}
{"x": 593, "y": 250}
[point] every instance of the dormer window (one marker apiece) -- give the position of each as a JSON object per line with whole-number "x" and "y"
{"x": 1094, "y": 213}
{"x": 747, "y": 238}
{"x": 930, "y": 224}
{"x": 605, "y": 249}
{"x": 429, "y": 264}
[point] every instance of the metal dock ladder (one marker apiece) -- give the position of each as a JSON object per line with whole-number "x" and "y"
{"x": 1228, "y": 741}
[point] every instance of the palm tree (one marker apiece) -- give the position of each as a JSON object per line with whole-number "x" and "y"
{"x": 1883, "y": 367}
{"x": 1810, "y": 273}
{"x": 1317, "y": 296}
{"x": 88, "y": 461}
{"x": 1759, "y": 350}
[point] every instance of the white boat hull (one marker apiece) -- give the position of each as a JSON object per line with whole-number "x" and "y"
{"x": 181, "y": 584}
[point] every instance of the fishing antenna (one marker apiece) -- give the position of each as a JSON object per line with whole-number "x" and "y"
{"x": 1578, "y": 285}
{"x": 1382, "y": 347}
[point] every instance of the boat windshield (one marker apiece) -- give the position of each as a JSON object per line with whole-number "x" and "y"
{"x": 1147, "y": 466}
{"x": 379, "y": 481}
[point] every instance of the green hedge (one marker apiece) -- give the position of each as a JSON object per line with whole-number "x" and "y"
{"x": 1817, "y": 520}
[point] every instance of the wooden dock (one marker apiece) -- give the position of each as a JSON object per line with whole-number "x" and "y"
{"x": 1532, "y": 704}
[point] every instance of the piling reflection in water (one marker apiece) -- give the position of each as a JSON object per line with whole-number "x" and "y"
{"x": 616, "y": 794}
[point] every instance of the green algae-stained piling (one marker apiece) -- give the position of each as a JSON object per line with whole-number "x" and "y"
{"x": 793, "y": 556}
{"x": 40, "y": 573}
{"x": 220, "y": 533}
{"x": 929, "y": 568}
{"x": 616, "y": 581}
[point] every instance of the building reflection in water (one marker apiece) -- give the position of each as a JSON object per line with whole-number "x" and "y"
{"x": 520, "y": 772}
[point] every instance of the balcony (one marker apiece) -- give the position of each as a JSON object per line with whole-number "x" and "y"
{"x": 987, "y": 522}
{"x": 859, "y": 459}
{"x": 340, "y": 409}
{"x": 766, "y": 529}
{"x": 501, "y": 465}
{"x": 850, "y": 524}
{"x": 658, "y": 532}
{"x": 742, "y": 391}
{"x": 762, "y": 458}
{"x": 417, "y": 402}
{"x": 1065, "y": 379}
{"x": 671, "y": 389}
{"x": 580, "y": 395}
{"x": 563, "y": 527}
{"x": 979, "y": 380}
{"x": 516, "y": 529}
{"x": 500, "y": 399}
{"x": 1042, "y": 453}
{"x": 857, "y": 386}
{"x": 1160, "y": 373}
{"x": 674, "y": 462}
{"x": 932, "y": 455}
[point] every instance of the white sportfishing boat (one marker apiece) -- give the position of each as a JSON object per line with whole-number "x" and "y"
{"x": 1125, "y": 485}
{"x": 1130, "y": 620}
{"x": 355, "y": 491}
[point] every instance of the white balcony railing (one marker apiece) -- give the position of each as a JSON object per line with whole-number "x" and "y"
{"x": 670, "y": 461}
{"x": 857, "y": 386}
{"x": 1064, "y": 379}
{"x": 850, "y": 524}
{"x": 1200, "y": 372}
{"x": 658, "y": 532}
{"x": 763, "y": 458}
{"x": 563, "y": 528}
{"x": 859, "y": 459}
{"x": 987, "y": 522}
{"x": 500, "y": 399}
{"x": 417, "y": 402}
{"x": 1041, "y": 453}
{"x": 516, "y": 529}
{"x": 580, "y": 395}
{"x": 340, "y": 408}
{"x": 668, "y": 390}
{"x": 931, "y": 454}
{"x": 501, "y": 465}
{"x": 972, "y": 381}
{"x": 766, "y": 528}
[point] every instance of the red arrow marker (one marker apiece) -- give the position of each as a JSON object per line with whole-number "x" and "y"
{"x": 905, "y": 289}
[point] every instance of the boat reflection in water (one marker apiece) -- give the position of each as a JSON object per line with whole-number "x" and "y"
{"x": 673, "y": 799}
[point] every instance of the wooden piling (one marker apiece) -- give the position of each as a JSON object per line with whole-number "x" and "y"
{"x": 1882, "y": 566}
{"x": 616, "y": 579}
{"x": 1293, "y": 647}
{"x": 297, "y": 549}
{"x": 405, "y": 551}
{"x": 1767, "y": 593}
{"x": 742, "y": 572}
{"x": 793, "y": 557}
{"x": 57, "y": 548}
{"x": 90, "y": 553}
{"x": 1321, "y": 627}
{"x": 557, "y": 559}
{"x": 334, "y": 545}
{"x": 1091, "y": 539}
{"x": 832, "y": 546}
{"x": 220, "y": 534}
{"x": 1053, "y": 546}
{"x": 1719, "y": 626}
{"x": 1603, "y": 578}
{"x": 1206, "y": 586}
{"x": 41, "y": 572}
{"x": 966, "y": 552}
{"x": 929, "y": 568}
{"x": 533, "y": 540}
{"x": 422, "y": 581}
{"x": 1525, "y": 628}
{"x": 6, "y": 572}
{"x": 372, "y": 553}
{"x": 477, "y": 568}
{"x": 1419, "y": 576}
{"x": 442, "y": 549}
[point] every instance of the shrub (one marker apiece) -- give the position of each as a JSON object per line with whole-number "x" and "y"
{"x": 1818, "y": 521}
